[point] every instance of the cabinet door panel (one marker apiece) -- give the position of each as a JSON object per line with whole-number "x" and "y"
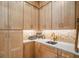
{"x": 3, "y": 15}
{"x": 28, "y": 50}
{"x": 45, "y": 17}
{"x": 63, "y": 15}
{"x": 37, "y": 50}
{"x": 15, "y": 15}
{"x": 15, "y": 43}
{"x": 3, "y": 43}
{"x": 48, "y": 52}
{"x": 67, "y": 54}
{"x": 34, "y": 18}
{"x": 57, "y": 15}
{"x": 68, "y": 14}
{"x": 48, "y": 16}
{"x": 42, "y": 18}
{"x": 27, "y": 16}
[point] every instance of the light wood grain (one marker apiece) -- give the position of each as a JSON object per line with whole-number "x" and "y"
{"x": 34, "y": 18}
{"x": 3, "y": 15}
{"x": 4, "y": 43}
{"x": 16, "y": 15}
{"x": 37, "y": 50}
{"x": 28, "y": 50}
{"x": 15, "y": 43}
{"x": 68, "y": 15}
{"x": 67, "y": 55}
{"x": 34, "y": 3}
{"x": 27, "y": 16}
{"x": 63, "y": 15}
{"x": 48, "y": 52}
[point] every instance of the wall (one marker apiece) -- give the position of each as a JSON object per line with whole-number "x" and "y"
{"x": 63, "y": 35}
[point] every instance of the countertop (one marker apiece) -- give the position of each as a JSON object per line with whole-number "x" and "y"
{"x": 60, "y": 45}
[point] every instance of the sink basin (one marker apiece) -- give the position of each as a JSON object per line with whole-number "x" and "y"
{"x": 51, "y": 42}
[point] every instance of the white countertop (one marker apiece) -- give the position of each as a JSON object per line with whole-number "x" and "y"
{"x": 60, "y": 45}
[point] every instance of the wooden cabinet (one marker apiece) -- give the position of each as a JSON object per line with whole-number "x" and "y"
{"x": 56, "y": 15}
{"x": 27, "y": 16}
{"x": 3, "y": 15}
{"x": 28, "y": 50}
{"x": 45, "y": 51}
{"x": 48, "y": 52}
{"x": 45, "y": 17}
{"x": 30, "y": 16}
{"x": 3, "y": 43}
{"x": 15, "y": 15}
{"x": 37, "y": 50}
{"x": 35, "y": 18}
{"x": 15, "y": 43}
{"x": 68, "y": 12}
{"x": 67, "y": 55}
{"x": 63, "y": 15}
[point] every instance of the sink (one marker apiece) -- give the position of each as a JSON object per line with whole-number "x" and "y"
{"x": 51, "y": 42}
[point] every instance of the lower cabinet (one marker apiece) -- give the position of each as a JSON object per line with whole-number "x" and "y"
{"x": 37, "y": 50}
{"x": 28, "y": 50}
{"x": 67, "y": 55}
{"x": 45, "y": 51}
{"x": 48, "y": 52}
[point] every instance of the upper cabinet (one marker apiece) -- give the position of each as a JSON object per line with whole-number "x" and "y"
{"x": 63, "y": 15}
{"x": 45, "y": 17}
{"x": 27, "y": 16}
{"x": 3, "y": 15}
{"x": 50, "y": 15}
{"x": 35, "y": 18}
{"x": 30, "y": 16}
{"x": 57, "y": 15}
{"x": 68, "y": 15}
{"x": 15, "y": 15}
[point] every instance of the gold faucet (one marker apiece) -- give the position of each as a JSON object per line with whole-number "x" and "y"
{"x": 53, "y": 36}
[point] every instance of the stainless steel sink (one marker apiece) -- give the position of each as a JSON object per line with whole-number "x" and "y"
{"x": 51, "y": 42}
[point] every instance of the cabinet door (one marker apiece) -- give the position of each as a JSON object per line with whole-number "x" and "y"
{"x": 68, "y": 15}
{"x": 15, "y": 43}
{"x": 28, "y": 50}
{"x": 45, "y": 17}
{"x": 37, "y": 50}
{"x": 63, "y": 15}
{"x": 57, "y": 15}
{"x": 48, "y": 16}
{"x": 67, "y": 54}
{"x": 3, "y": 15}
{"x": 15, "y": 15}
{"x": 3, "y": 43}
{"x": 34, "y": 18}
{"x": 27, "y": 16}
{"x": 48, "y": 52}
